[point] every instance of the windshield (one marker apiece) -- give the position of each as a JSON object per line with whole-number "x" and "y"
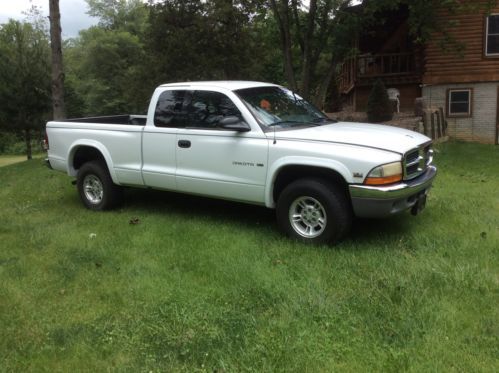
{"x": 279, "y": 107}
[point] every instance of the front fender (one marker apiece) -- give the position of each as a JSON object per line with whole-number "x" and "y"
{"x": 93, "y": 144}
{"x": 278, "y": 165}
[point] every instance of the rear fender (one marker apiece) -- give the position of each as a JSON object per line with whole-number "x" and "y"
{"x": 93, "y": 144}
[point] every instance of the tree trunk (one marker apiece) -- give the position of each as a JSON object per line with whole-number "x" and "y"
{"x": 27, "y": 139}
{"x": 321, "y": 94}
{"x": 282, "y": 18}
{"x": 58, "y": 106}
{"x": 307, "y": 50}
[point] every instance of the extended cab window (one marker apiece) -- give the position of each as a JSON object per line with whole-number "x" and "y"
{"x": 171, "y": 110}
{"x": 207, "y": 108}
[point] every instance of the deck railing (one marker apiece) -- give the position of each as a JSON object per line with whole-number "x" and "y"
{"x": 377, "y": 66}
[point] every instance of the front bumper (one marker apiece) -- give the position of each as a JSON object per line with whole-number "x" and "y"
{"x": 379, "y": 202}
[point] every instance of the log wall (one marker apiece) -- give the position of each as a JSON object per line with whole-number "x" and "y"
{"x": 471, "y": 65}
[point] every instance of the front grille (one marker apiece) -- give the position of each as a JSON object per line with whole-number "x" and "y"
{"x": 416, "y": 161}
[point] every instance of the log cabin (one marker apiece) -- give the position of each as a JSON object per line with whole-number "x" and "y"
{"x": 464, "y": 81}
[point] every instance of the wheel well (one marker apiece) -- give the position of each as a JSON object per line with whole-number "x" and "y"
{"x": 289, "y": 174}
{"x": 86, "y": 154}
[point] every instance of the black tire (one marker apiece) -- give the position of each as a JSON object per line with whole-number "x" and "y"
{"x": 322, "y": 213}
{"x": 96, "y": 188}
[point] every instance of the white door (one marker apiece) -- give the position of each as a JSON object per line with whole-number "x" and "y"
{"x": 215, "y": 162}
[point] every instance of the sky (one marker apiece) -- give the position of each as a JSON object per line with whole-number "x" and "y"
{"x": 73, "y": 13}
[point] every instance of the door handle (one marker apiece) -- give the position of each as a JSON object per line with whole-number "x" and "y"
{"x": 184, "y": 143}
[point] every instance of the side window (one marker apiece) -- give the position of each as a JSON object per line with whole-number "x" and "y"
{"x": 171, "y": 110}
{"x": 208, "y": 108}
{"x": 492, "y": 36}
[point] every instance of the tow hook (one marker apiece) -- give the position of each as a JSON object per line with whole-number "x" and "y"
{"x": 420, "y": 204}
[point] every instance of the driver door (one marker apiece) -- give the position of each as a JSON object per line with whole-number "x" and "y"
{"x": 216, "y": 162}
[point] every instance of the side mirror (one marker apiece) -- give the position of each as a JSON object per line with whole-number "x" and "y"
{"x": 234, "y": 123}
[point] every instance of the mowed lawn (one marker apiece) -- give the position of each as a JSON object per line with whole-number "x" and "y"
{"x": 204, "y": 285}
{"x": 6, "y": 160}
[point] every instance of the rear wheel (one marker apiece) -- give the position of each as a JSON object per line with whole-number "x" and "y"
{"x": 96, "y": 188}
{"x": 314, "y": 211}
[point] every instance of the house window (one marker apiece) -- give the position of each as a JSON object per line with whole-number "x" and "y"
{"x": 492, "y": 36}
{"x": 459, "y": 102}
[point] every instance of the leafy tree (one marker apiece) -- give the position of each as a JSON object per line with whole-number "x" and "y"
{"x": 24, "y": 78}
{"x": 192, "y": 40}
{"x": 309, "y": 31}
{"x": 103, "y": 71}
{"x": 124, "y": 15}
{"x": 379, "y": 107}
{"x": 106, "y": 71}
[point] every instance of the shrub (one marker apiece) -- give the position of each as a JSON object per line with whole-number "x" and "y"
{"x": 379, "y": 107}
{"x": 13, "y": 144}
{"x": 6, "y": 141}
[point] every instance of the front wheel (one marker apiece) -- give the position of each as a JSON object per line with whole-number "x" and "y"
{"x": 96, "y": 188}
{"x": 314, "y": 211}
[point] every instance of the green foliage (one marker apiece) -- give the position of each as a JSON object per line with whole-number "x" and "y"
{"x": 24, "y": 75}
{"x": 102, "y": 67}
{"x": 24, "y": 78}
{"x": 6, "y": 141}
{"x": 107, "y": 65}
{"x": 193, "y": 40}
{"x": 125, "y": 15}
{"x": 379, "y": 107}
{"x": 114, "y": 67}
{"x": 18, "y": 145}
{"x": 202, "y": 285}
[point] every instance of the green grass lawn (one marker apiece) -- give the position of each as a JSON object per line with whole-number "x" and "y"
{"x": 6, "y": 160}
{"x": 203, "y": 285}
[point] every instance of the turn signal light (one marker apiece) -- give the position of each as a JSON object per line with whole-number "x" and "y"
{"x": 383, "y": 180}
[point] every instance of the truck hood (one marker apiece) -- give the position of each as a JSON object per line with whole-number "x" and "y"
{"x": 389, "y": 138}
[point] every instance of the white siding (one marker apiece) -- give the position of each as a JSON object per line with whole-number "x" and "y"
{"x": 482, "y": 124}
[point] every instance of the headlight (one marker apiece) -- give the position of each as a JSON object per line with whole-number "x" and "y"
{"x": 386, "y": 174}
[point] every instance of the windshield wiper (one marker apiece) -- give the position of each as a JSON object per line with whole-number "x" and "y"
{"x": 292, "y": 121}
{"x": 323, "y": 120}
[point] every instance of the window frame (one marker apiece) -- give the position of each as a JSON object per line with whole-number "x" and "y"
{"x": 469, "y": 113}
{"x": 486, "y": 41}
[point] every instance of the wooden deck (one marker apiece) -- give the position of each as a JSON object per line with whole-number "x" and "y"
{"x": 392, "y": 68}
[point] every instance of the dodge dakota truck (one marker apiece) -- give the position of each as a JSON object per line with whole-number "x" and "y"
{"x": 250, "y": 142}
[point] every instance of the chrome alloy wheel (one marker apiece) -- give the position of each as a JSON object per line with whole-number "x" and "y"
{"x": 308, "y": 217}
{"x": 93, "y": 189}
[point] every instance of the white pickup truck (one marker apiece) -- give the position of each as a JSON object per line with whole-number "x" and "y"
{"x": 251, "y": 142}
